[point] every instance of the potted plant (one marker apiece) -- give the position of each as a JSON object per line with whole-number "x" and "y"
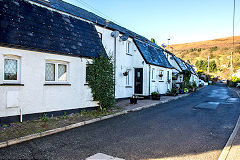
{"x": 174, "y": 77}
{"x": 133, "y": 99}
{"x": 160, "y": 75}
{"x": 155, "y": 96}
{"x": 186, "y": 90}
{"x": 181, "y": 90}
{"x": 177, "y": 90}
{"x": 125, "y": 73}
{"x": 174, "y": 91}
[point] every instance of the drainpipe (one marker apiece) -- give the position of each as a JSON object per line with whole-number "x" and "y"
{"x": 149, "y": 80}
{"x": 21, "y": 116}
{"x": 115, "y": 34}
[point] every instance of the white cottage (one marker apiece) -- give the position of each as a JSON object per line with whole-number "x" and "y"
{"x": 43, "y": 58}
{"x": 136, "y": 72}
{"x": 179, "y": 66}
{"x": 46, "y": 46}
{"x": 137, "y": 68}
{"x": 177, "y": 69}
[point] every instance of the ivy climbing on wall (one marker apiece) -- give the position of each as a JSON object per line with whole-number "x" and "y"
{"x": 100, "y": 77}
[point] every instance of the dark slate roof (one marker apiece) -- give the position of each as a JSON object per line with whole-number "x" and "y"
{"x": 84, "y": 14}
{"x": 152, "y": 54}
{"x": 190, "y": 68}
{"x": 181, "y": 63}
{"x": 26, "y": 25}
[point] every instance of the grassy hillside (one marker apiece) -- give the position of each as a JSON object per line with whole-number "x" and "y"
{"x": 217, "y": 49}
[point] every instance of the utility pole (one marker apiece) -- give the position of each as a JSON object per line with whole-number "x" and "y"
{"x": 231, "y": 69}
{"x": 231, "y": 64}
{"x": 208, "y": 66}
{"x": 168, "y": 42}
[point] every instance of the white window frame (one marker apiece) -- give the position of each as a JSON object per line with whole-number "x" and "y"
{"x": 168, "y": 75}
{"x": 153, "y": 74}
{"x": 56, "y": 63}
{"x": 128, "y": 43}
{"x": 128, "y": 78}
{"x": 17, "y": 58}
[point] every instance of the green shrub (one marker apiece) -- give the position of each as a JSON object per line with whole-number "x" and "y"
{"x": 4, "y": 125}
{"x": 155, "y": 93}
{"x": 44, "y": 117}
{"x": 101, "y": 81}
{"x": 194, "y": 85}
{"x": 236, "y": 80}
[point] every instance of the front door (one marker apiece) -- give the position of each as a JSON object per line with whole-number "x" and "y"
{"x": 138, "y": 84}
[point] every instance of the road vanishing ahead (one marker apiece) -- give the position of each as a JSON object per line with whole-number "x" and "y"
{"x": 193, "y": 127}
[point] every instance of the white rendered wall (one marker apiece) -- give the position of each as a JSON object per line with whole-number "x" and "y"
{"x": 157, "y": 85}
{"x": 124, "y": 62}
{"x": 34, "y": 96}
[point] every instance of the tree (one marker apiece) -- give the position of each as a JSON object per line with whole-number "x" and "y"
{"x": 203, "y": 64}
{"x": 100, "y": 77}
{"x": 153, "y": 40}
{"x": 212, "y": 66}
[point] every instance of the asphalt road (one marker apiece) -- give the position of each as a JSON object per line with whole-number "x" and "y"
{"x": 178, "y": 129}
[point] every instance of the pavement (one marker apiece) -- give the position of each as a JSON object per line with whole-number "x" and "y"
{"x": 145, "y": 103}
{"x": 234, "y": 152}
{"x": 234, "y": 147}
{"x": 180, "y": 129}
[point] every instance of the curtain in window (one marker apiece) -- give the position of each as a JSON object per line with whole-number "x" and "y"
{"x": 10, "y": 69}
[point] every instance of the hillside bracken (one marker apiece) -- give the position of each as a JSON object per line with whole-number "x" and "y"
{"x": 218, "y": 50}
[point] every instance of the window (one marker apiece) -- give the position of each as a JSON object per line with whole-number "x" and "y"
{"x": 11, "y": 69}
{"x": 160, "y": 75}
{"x": 128, "y": 47}
{"x": 128, "y": 78}
{"x": 56, "y": 72}
{"x": 168, "y": 75}
{"x": 50, "y": 72}
{"x": 153, "y": 74}
{"x": 87, "y": 73}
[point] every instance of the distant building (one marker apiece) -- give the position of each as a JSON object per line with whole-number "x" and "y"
{"x": 236, "y": 74}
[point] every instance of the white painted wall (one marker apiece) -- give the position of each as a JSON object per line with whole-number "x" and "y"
{"x": 124, "y": 62}
{"x": 129, "y": 62}
{"x": 157, "y": 84}
{"x": 34, "y": 96}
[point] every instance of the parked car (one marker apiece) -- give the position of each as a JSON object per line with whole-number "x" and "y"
{"x": 201, "y": 82}
{"x": 224, "y": 81}
{"x": 238, "y": 85}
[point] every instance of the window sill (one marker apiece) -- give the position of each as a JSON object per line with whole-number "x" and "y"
{"x": 153, "y": 80}
{"x": 86, "y": 84}
{"x": 11, "y": 84}
{"x": 129, "y": 54}
{"x": 128, "y": 86}
{"x": 161, "y": 81}
{"x": 57, "y": 84}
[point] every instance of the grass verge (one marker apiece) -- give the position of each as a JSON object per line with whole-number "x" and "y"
{"x": 17, "y": 129}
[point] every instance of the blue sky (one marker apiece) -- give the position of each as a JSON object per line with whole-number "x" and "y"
{"x": 180, "y": 20}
